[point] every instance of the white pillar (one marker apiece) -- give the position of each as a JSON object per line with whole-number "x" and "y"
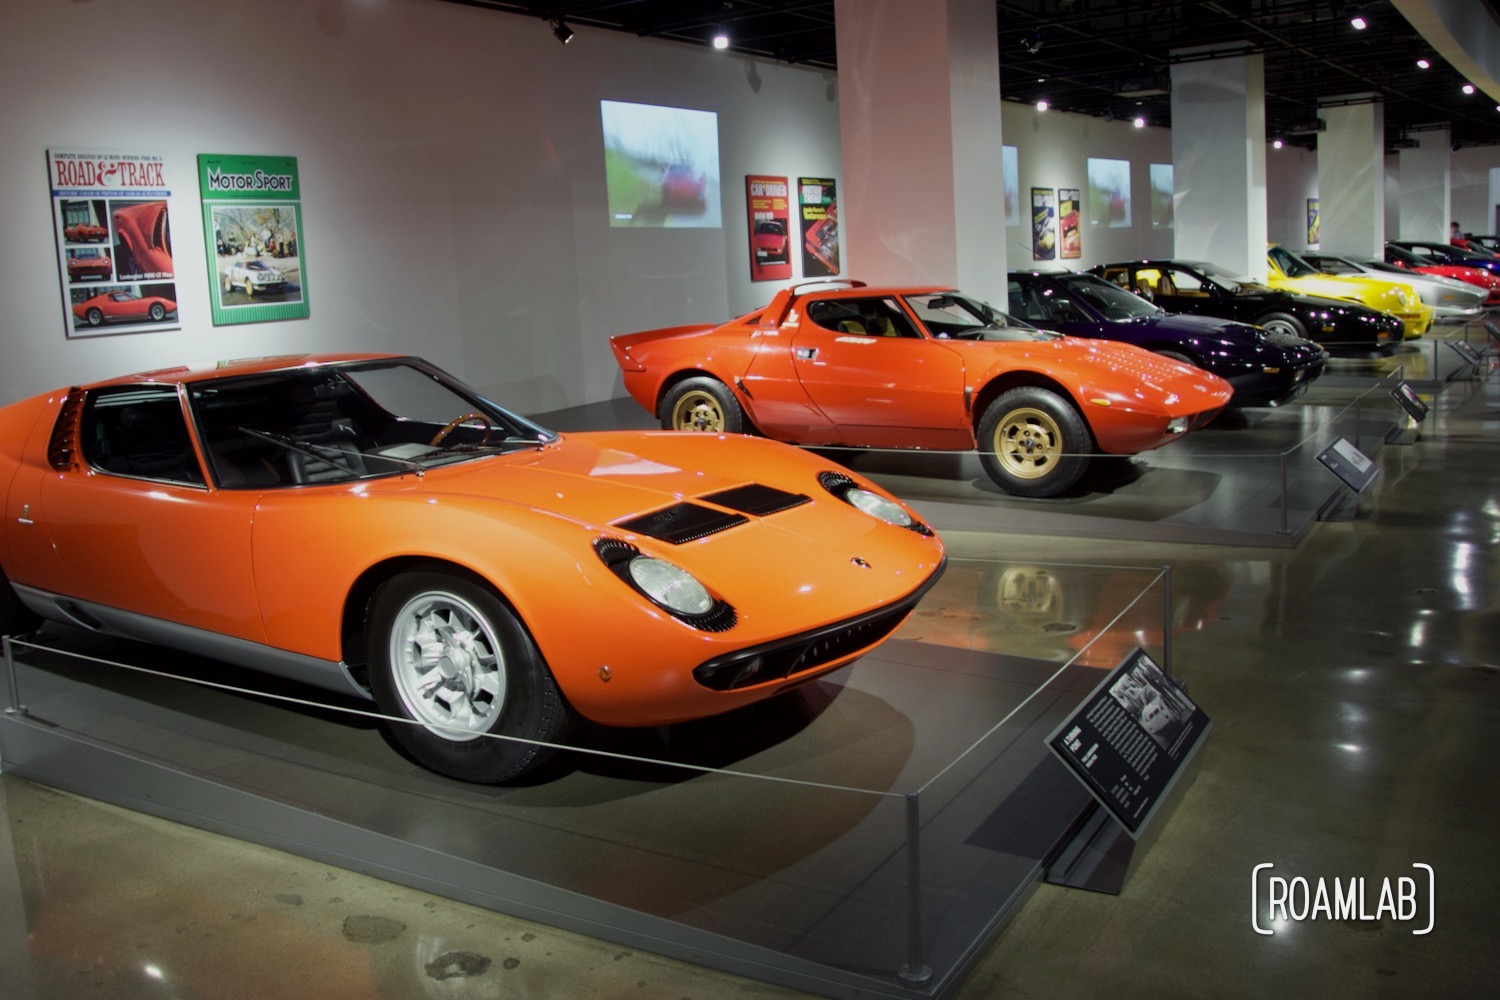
{"x": 922, "y": 196}
{"x": 1219, "y": 162}
{"x": 1351, "y": 179}
{"x": 1426, "y": 187}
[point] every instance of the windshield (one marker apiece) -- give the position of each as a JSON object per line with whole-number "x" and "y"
{"x": 1291, "y": 265}
{"x": 345, "y": 422}
{"x": 956, "y": 316}
{"x": 1234, "y": 284}
{"x": 1111, "y": 301}
{"x": 1396, "y": 254}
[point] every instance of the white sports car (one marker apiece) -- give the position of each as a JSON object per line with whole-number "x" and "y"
{"x": 253, "y": 276}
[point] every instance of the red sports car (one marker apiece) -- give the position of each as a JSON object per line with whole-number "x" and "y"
{"x": 84, "y": 232}
{"x": 123, "y": 307}
{"x": 683, "y": 188}
{"x": 839, "y": 363}
{"x": 144, "y": 231}
{"x": 770, "y": 242}
{"x": 88, "y": 264}
{"x": 1476, "y": 276}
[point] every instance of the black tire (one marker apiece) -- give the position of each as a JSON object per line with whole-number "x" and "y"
{"x": 1282, "y": 321}
{"x": 157, "y": 312}
{"x": 1032, "y": 442}
{"x": 497, "y": 683}
{"x": 701, "y": 404}
{"x": 15, "y": 617}
{"x": 95, "y": 317}
{"x": 1179, "y": 356}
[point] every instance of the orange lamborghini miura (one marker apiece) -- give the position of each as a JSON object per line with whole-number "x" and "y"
{"x": 839, "y": 363}
{"x": 369, "y": 524}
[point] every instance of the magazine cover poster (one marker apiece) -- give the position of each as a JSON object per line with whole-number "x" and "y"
{"x": 114, "y": 241}
{"x": 818, "y": 197}
{"x": 1043, "y": 231}
{"x": 1314, "y": 222}
{"x": 1067, "y": 222}
{"x": 768, "y": 204}
{"x": 252, "y": 226}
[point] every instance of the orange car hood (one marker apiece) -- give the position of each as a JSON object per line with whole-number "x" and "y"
{"x": 599, "y": 477}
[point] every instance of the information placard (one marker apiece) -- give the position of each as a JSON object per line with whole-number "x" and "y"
{"x": 1128, "y": 739}
{"x": 1350, "y": 464}
{"x": 1466, "y": 352}
{"x": 1409, "y": 401}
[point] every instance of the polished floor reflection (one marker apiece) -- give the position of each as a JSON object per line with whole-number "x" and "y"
{"x": 1354, "y": 683}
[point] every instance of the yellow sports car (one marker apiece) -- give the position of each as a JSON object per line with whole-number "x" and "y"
{"x": 1293, "y": 274}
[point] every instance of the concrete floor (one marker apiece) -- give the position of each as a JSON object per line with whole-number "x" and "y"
{"x": 1352, "y": 681}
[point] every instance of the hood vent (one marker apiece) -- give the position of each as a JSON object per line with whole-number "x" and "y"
{"x": 682, "y": 522}
{"x": 757, "y": 499}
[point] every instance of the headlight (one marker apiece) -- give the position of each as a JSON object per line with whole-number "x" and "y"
{"x": 870, "y": 502}
{"x": 670, "y": 586}
{"x": 1178, "y": 425}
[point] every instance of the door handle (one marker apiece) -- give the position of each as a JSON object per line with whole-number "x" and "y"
{"x": 805, "y": 353}
{"x": 25, "y": 517}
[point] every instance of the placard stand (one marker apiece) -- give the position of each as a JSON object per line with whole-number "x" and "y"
{"x": 1133, "y": 742}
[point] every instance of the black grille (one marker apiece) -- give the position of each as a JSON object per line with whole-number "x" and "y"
{"x": 800, "y": 653}
{"x": 682, "y": 522}
{"x": 757, "y": 499}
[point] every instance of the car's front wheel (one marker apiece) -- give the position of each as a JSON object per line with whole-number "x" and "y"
{"x": 94, "y": 317}
{"x": 1279, "y": 322}
{"x": 702, "y": 404}
{"x": 458, "y": 670}
{"x": 1032, "y": 442}
{"x": 158, "y": 312}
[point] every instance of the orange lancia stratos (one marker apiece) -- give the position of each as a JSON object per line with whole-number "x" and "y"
{"x": 839, "y": 363}
{"x": 369, "y": 524}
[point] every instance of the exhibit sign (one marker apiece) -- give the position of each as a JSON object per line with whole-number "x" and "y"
{"x": 1043, "y": 224}
{"x": 1314, "y": 222}
{"x": 768, "y": 202}
{"x": 252, "y": 226}
{"x": 1350, "y": 464}
{"x": 1128, "y": 740}
{"x": 114, "y": 241}
{"x": 818, "y": 201}
{"x": 1409, "y": 401}
{"x": 1067, "y": 221}
{"x": 1466, "y": 352}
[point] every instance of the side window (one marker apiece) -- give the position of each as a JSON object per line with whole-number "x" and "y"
{"x": 1118, "y": 275}
{"x": 1330, "y": 266}
{"x": 139, "y": 431}
{"x": 862, "y": 317}
{"x": 1025, "y": 303}
{"x": 1176, "y": 282}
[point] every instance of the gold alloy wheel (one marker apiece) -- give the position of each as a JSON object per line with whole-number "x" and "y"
{"x": 698, "y": 411}
{"x": 1028, "y": 443}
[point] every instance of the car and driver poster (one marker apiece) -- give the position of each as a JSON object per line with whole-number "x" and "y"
{"x": 820, "y": 226}
{"x": 252, "y": 223}
{"x": 114, "y": 241}
{"x": 768, "y": 201}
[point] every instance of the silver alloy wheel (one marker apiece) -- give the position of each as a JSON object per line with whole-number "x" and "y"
{"x": 1281, "y": 326}
{"x": 448, "y": 665}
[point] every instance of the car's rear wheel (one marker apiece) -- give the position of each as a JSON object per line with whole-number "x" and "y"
{"x": 1032, "y": 442}
{"x": 157, "y": 311}
{"x": 1178, "y": 356}
{"x": 1278, "y": 322}
{"x": 94, "y": 317}
{"x": 702, "y": 404}
{"x": 451, "y": 659}
{"x": 15, "y": 617}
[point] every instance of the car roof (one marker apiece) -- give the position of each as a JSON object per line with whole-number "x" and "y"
{"x": 241, "y": 366}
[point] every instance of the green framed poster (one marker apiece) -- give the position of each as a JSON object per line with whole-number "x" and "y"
{"x": 252, "y": 226}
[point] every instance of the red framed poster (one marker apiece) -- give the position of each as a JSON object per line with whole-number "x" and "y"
{"x": 767, "y": 204}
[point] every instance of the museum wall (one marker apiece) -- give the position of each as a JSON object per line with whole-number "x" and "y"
{"x": 1291, "y": 179}
{"x": 1053, "y": 148}
{"x": 1474, "y": 200}
{"x": 451, "y": 165}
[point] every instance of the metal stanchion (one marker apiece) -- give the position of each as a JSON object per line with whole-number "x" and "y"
{"x": 915, "y": 971}
{"x": 1283, "y": 493}
{"x": 1166, "y": 620}
{"x": 14, "y": 707}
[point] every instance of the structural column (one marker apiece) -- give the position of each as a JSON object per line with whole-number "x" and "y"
{"x": 1219, "y": 162}
{"x": 1426, "y": 188}
{"x": 1351, "y": 179}
{"x": 922, "y": 198}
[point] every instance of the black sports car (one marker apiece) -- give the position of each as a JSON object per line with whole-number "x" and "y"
{"x": 1446, "y": 253}
{"x": 1266, "y": 367}
{"x": 1197, "y": 288}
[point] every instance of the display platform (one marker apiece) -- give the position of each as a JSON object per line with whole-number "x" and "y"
{"x": 780, "y": 851}
{"x": 1221, "y": 485}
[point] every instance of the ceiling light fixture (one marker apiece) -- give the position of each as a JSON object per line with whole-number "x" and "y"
{"x": 1032, "y": 43}
{"x": 1358, "y": 22}
{"x": 1424, "y": 63}
{"x": 1042, "y": 105}
{"x": 1277, "y": 144}
{"x": 1140, "y": 123}
{"x": 1468, "y": 88}
{"x": 561, "y": 31}
{"x": 721, "y": 40}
